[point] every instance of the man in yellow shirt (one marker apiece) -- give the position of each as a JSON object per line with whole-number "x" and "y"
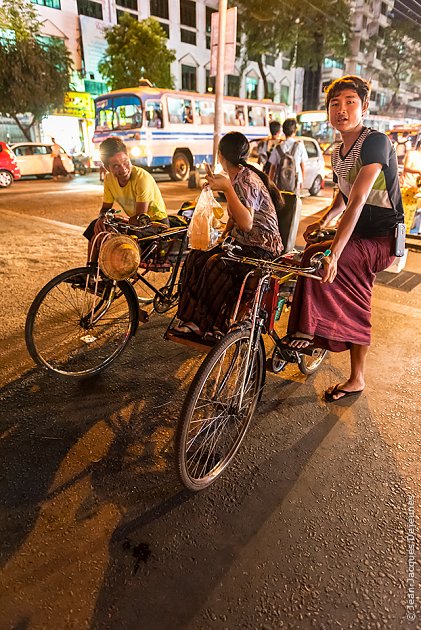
{"x": 130, "y": 186}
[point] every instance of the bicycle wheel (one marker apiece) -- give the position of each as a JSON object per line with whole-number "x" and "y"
{"x": 309, "y": 364}
{"x": 75, "y": 328}
{"x": 214, "y": 419}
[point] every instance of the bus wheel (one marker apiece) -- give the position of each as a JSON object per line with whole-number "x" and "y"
{"x": 180, "y": 168}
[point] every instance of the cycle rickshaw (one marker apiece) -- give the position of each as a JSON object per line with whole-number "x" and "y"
{"x": 223, "y": 395}
{"x": 82, "y": 320}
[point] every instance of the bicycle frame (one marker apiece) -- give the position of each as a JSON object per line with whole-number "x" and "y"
{"x": 256, "y": 322}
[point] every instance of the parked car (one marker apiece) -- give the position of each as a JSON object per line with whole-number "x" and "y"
{"x": 327, "y": 156}
{"x": 314, "y": 167}
{"x": 9, "y": 169}
{"x": 34, "y": 158}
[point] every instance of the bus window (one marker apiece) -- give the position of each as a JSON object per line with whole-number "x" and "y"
{"x": 234, "y": 114}
{"x": 229, "y": 114}
{"x": 179, "y": 110}
{"x": 257, "y": 116}
{"x": 276, "y": 114}
{"x": 128, "y": 112}
{"x": 104, "y": 115}
{"x": 153, "y": 112}
{"x": 240, "y": 118}
{"x": 206, "y": 110}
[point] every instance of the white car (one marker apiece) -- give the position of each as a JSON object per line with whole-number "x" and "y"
{"x": 34, "y": 158}
{"x": 314, "y": 166}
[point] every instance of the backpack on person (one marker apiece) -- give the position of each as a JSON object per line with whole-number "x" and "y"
{"x": 264, "y": 153}
{"x": 286, "y": 176}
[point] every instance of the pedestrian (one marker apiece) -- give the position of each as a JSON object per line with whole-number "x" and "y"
{"x": 335, "y": 313}
{"x": 266, "y": 146}
{"x": 286, "y": 170}
{"x": 411, "y": 167}
{"x": 58, "y": 166}
{"x": 293, "y": 147}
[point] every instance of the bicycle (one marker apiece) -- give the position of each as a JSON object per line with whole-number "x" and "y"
{"x": 82, "y": 320}
{"x": 223, "y": 395}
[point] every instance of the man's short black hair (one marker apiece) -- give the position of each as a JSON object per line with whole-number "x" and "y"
{"x": 348, "y": 82}
{"x": 275, "y": 127}
{"x": 110, "y": 147}
{"x": 289, "y": 127}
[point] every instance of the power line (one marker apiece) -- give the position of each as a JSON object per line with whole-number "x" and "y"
{"x": 408, "y": 8}
{"x": 406, "y": 16}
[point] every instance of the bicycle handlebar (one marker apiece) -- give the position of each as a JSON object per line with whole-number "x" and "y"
{"x": 271, "y": 266}
{"x": 124, "y": 227}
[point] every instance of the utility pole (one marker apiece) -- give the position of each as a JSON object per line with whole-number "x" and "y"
{"x": 219, "y": 79}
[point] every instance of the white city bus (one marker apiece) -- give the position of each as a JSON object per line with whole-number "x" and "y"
{"x": 174, "y": 130}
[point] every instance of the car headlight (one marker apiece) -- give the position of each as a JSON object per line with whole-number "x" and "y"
{"x": 135, "y": 152}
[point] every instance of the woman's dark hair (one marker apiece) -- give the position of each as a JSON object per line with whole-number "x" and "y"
{"x": 235, "y": 148}
{"x": 348, "y": 82}
{"x": 110, "y": 147}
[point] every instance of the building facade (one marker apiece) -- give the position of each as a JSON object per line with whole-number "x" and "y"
{"x": 187, "y": 23}
{"x": 370, "y": 19}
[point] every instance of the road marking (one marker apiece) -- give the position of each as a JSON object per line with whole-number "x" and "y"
{"x": 61, "y": 224}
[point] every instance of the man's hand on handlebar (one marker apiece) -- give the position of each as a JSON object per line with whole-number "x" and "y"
{"x": 330, "y": 268}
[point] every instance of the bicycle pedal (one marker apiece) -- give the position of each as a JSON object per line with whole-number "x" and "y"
{"x": 143, "y": 316}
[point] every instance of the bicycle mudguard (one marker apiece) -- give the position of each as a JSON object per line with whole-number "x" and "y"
{"x": 135, "y": 300}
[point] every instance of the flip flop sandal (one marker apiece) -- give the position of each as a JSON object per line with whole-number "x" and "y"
{"x": 186, "y": 329}
{"x": 329, "y": 396}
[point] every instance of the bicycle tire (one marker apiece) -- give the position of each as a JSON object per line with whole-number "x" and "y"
{"x": 75, "y": 330}
{"x": 190, "y": 429}
{"x": 310, "y": 364}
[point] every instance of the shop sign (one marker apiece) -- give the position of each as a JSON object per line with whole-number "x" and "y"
{"x": 79, "y": 104}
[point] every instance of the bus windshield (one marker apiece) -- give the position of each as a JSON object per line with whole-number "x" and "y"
{"x": 118, "y": 113}
{"x": 315, "y": 124}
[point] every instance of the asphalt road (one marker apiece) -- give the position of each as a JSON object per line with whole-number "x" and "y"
{"x": 308, "y": 529}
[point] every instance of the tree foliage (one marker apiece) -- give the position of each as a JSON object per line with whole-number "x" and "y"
{"x": 136, "y": 50}
{"x": 307, "y": 31}
{"x": 34, "y": 74}
{"x": 398, "y": 49}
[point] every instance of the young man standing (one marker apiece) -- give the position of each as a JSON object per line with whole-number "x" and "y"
{"x": 335, "y": 313}
{"x": 293, "y": 147}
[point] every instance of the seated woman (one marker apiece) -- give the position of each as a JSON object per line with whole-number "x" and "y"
{"x": 210, "y": 284}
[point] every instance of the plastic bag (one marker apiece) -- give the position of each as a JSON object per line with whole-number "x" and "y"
{"x": 202, "y": 229}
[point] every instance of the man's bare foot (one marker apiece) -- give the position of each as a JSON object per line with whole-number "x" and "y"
{"x": 297, "y": 341}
